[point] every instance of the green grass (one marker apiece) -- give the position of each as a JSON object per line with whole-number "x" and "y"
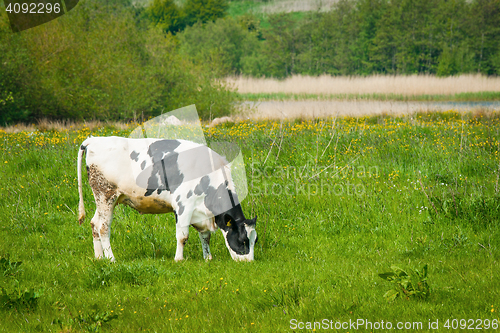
{"x": 460, "y": 97}
{"x": 318, "y": 255}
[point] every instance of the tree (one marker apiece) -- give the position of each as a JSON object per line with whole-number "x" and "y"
{"x": 223, "y": 44}
{"x": 204, "y": 10}
{"x": 483, "y": 22}
{"x": 166, "y": 15}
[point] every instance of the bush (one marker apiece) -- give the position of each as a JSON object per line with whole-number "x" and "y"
{"x": 98, "y": 62}
{"x": 15, "y": 71}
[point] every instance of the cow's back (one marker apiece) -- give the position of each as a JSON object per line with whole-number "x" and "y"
{"x": 135, "y": 168}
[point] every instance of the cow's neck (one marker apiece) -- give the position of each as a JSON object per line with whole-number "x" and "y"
{"x": 235, "y": 213}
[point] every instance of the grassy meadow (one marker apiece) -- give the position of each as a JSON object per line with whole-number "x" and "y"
{"x": 458, "y": 97}
{"x": 278, "y": 6}
{"x": 339, "y": 201}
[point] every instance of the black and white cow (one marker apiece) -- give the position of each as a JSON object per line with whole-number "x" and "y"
{"x": 157, "y": 176}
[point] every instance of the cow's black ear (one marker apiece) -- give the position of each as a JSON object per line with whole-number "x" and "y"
{"x": 251, "y": 222}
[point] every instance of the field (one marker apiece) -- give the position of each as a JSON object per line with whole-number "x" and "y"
{"x": 338, "y": 201}
{"x": 278, "y": 6}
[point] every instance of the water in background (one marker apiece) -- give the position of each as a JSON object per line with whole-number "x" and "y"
{"x": 315, "y": 109}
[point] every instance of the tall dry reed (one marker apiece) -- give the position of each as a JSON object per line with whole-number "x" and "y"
{"x": 381, "y": 84}
{"x": 63, "y": 125}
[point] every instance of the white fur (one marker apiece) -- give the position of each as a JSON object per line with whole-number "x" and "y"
{"x": 111, "y": 156}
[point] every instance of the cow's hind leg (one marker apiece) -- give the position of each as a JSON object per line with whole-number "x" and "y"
{"x": 104, "y": 232}
{"x": 205, "y": 244}
{"x": 95, "y": 224}
{"x": 101, "y": 224}
{"x": 105, "y": 195}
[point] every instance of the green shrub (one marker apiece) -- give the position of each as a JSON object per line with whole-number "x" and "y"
{"x": 413, "y": 284}
{"x": 101, "y": 64}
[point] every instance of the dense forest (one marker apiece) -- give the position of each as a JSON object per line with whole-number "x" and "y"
{"x": 116, "y": 60}
{"x": 360, "y": 37}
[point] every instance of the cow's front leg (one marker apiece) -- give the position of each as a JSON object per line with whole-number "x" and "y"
{"x": 182, "y": 235}
{"x": 205, "y": 244}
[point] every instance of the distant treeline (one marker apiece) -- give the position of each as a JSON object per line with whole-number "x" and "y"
{"x": 118, "y": 61}
{"x": 103, "y": 60}
{"x": 358, "y": 37}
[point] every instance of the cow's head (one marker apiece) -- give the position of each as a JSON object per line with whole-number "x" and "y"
{"x": 239, "y": 234}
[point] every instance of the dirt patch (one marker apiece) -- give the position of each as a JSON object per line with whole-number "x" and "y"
{"x": 103, "y": 189}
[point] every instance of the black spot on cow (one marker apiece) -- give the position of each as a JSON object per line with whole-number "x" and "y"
{"x": 190, "y": 193}
{"x": 219, "y": 199}
{"x": 165, "y": 173}
{"x": 202, "y": 187}
{"x": 134, "y": 156}
{"x": 181, "y": 209}
{"x": 172, "y": 172}
{"x": 160, "y": 147}
{"x": 178, "y": 198}
{"x": 143, "y": 164}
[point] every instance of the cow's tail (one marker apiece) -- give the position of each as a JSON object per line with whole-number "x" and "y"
{"x": 81, "y": 207}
